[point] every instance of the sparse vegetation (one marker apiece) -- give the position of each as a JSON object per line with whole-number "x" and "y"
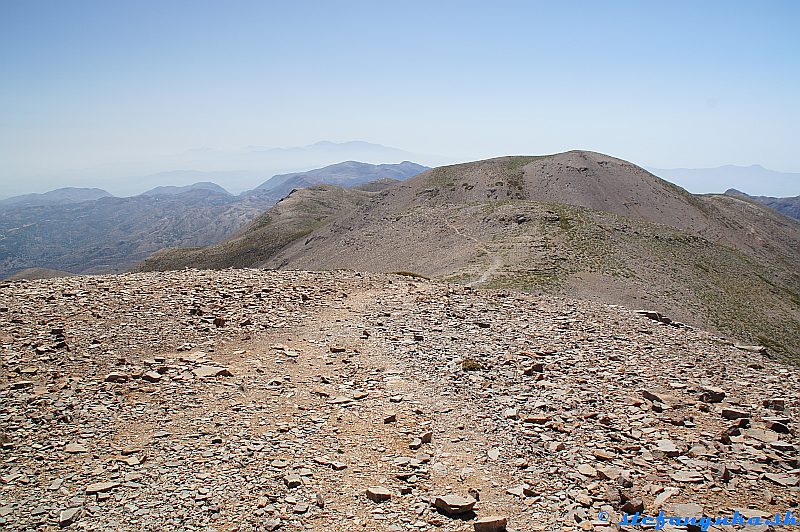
{"x": 443, "y": 176}
{"x": 516, "y": 174}
{"x": 471, "y": 364}
{"x": 528, "y": 281}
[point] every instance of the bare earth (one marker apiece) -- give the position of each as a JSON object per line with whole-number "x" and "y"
{"x": 264, "y": 400}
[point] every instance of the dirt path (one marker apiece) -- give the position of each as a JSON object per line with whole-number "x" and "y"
{"x": 252, "y": 400}
{"x": 495, "y": 261}
{"x": 356, "y": 433}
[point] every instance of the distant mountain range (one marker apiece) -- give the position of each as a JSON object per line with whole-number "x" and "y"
{"x": 746, "y": 178}
{"x": 175, "y": 190}
{"x": 91, "y": 231}
{"x": 787, "y": 206}
{"x": 578, "y": 222}
{"x": 61, "y": 196}
{"x": 236, "y": 170}
{"x": 346, "y": 174}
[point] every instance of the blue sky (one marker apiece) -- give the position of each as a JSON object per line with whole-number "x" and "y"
{"x": 89, "y": 85}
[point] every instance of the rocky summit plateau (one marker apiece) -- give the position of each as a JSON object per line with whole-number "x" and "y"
{"x": 248, "y": 399}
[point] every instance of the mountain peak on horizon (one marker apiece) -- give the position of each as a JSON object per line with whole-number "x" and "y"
{"x": 345, "y": 173}
{"x": 62, "y": 195}
{"x": 171, "y": 190}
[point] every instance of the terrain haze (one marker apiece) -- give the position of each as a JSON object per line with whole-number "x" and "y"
{"x": 239, "y": 170}
{"x": 100, "y": 93}
{"x": 236, "y": 170}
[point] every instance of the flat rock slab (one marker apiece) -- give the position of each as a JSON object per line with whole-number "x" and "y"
{"x": 686, "y": 475}
{"x": 68, "y": 516}
{"x": 733, "y": 413}
{"x": 667, "y": 447}
{"x": 783, "y": 479}
{"x": 204, "y": 372}
{"x": 152, "y": 376}
{"x": 101, "y": 487}
{"x": 293, "y": 481}
{"x": 658, "y": 397}
{"x": 341, "y": 400}
{"x": 378, "y": 494}
{"x": 75, "y": 448}
{"x": 751, "y": 348}
{"x": 523, "y": 490}
{"x": 117, "y": 377}
{"x": 712, "y": 394}
{"x": 765, "y": 436}
{"x": 492, "y": 523}
{"x": 454, "y": 504}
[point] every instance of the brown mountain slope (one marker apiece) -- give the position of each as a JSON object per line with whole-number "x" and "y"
{"x": 581, "y": 179}
{"x": 581, "y": 223}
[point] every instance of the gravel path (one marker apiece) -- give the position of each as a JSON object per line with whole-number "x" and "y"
{"x": 262, "y": 400}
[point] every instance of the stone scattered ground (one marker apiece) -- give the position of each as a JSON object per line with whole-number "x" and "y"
{"x": 263, "y": 400}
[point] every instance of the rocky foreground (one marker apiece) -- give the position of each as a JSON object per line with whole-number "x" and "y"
{"x": 261, "y": 400}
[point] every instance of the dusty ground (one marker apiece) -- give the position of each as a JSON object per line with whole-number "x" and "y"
{"x": 123, "y": 406}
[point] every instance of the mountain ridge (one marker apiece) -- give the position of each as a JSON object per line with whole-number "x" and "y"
{"x": 235, "y": 169}
{"x": 172, "y": 190}
{"x": 346, "y": 174}
{"x": 111, "y": 234}
{"x": 789, "y": 206}
{"x": 58, "y": 196}
{"x": 577, "y": 222}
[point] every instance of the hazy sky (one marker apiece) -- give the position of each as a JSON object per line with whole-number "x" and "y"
{"x": 92, "y": 85}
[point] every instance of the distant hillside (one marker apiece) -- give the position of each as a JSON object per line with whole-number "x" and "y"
{"x": 112, "y": 234}
{"x": 580, "y": 223}
{"x": 61, "y": 196}
{"x": 787, "y": 206}
{"x": 346, "y": 174}
{"x": 290, "y": 219}
{"x": 173, "y": 190}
